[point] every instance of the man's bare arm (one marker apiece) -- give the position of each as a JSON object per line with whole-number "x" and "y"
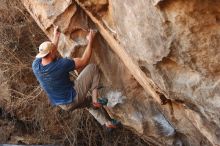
{"x": 56, "y": 36}
{"x": 84, "y": 60}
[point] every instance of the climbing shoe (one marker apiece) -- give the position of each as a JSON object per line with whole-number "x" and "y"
{"x": 112, "y": 125}
{"x": 100, "y": 102}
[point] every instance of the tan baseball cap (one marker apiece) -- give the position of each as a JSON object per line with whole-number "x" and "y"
{"x": 45, "y": 49}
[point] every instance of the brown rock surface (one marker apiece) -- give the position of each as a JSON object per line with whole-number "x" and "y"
{"x": 174, "y": 42}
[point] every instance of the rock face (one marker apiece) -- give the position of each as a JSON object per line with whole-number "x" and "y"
{"x": 174, "y": 42}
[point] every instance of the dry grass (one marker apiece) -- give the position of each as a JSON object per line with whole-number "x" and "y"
{"x": 27, "y": 111}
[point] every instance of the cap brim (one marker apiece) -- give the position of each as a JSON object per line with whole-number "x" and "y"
{"x": 41, "y": 55}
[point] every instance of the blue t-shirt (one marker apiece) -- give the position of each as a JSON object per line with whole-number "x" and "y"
{"x": 54, "y": 79}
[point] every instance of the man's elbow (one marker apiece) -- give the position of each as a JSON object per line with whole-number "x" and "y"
{"x": 81, "y": 63}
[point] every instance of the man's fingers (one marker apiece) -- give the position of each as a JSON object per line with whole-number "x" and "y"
{"x": 91, "y": 34}
{"x": 56, "y": 31}
{"x": 93, "y": 31}
{"x": 56, "y": 28}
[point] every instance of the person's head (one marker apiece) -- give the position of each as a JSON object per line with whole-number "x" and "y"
{"x": 47, "y": 50}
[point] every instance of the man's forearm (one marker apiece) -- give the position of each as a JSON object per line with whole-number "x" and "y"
{"x": 55, "y": 40}
{"x": 88, "y": 53}
{"x": 84, "y": 60}
{"x": 56, "y": 36}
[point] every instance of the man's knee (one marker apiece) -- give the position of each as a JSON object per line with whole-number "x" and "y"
{"x": 64, "y": 107}
{"x": 93, "y": 68}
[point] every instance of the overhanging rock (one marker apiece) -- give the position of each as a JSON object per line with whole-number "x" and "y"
{"x": 152, "y": 46}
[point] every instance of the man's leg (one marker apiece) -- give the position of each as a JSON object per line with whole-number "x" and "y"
{"x": 94, "y": 95}
{"x": 87, "y": 80}
{"x": 100, "y": 115}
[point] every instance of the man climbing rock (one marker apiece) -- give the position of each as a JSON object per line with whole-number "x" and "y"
{"x": 52, "y": 73}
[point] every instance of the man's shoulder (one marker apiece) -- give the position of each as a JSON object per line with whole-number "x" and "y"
{"x": 65, "y": 60}
{"x": 36, "y": 62}
{"x": 66, "y": 63}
